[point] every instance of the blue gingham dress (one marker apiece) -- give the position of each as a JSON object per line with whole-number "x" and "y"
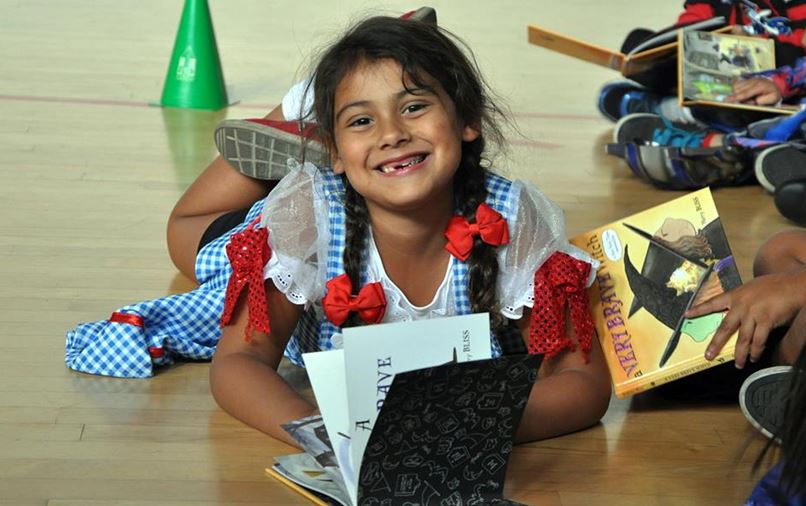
{"x": 187, "y": 325}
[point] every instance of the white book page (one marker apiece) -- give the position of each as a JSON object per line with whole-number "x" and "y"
{"x": 326, "y": 374}
{"x": 373, "y": 354}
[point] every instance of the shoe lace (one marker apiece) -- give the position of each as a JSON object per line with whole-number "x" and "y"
{"x": 670, "y": 135}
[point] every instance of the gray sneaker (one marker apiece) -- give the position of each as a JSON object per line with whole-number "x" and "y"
{"x": 763, "y": 399}
{"x": 779, "y": 164}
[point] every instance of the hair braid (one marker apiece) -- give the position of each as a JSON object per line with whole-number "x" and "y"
{"x": 482, "y": 265}
{"x": 356, "y": 220}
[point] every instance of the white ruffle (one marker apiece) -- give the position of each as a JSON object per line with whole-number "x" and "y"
{"x": 535, "y": 234}
{"x": 296, "y": 214}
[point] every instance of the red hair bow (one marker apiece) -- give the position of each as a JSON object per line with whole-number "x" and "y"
{"x": 370, "y": 303}
{"x": 490, "y": 226}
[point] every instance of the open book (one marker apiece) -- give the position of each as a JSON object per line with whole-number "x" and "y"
{"x": 653, "y": 62}
{"x": 709, "y": 63}
{"x": 433, "y": 426}
{"x": 654, "y": 266}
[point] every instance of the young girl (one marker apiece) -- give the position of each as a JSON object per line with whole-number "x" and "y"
{"x": 407, "y": 224}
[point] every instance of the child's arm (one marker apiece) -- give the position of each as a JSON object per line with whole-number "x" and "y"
{"x": 569, "y": 395}
{"x": 784, "y": 81}
{"x": 776, "y": 297}
{"x": 754, "y": 309}
{"x": 243, "y": 376}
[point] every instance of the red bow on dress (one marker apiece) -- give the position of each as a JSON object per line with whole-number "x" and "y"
{"x": 561, "y": 279}
{"x": 370, "y": 303}
{"x": 248, "y": 252}
{"x": 490, "y": 226}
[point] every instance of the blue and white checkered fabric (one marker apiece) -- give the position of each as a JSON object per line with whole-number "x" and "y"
{"x": 187, "y": 325}
{"x": 313, "y": 335}
{"x": 184, "y": 325}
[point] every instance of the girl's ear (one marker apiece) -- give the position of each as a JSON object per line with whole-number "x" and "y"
{"x": 338, "y": 165}
{"x": 470, "y": 133}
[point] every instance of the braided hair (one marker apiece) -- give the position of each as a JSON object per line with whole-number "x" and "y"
{"x": 425, "y": 52}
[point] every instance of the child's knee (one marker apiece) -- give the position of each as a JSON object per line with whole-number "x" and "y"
{"x": 783, "y": 251}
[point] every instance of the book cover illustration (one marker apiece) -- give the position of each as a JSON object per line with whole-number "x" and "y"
{"x": 443, "y": 436}
{"x": 711, "y": 62}
{"x": 654, "y": 265}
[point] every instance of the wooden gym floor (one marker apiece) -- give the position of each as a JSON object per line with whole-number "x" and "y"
{"x": 90, "y": 172}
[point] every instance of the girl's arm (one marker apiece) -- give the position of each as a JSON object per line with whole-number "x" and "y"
{"x": 243, "y": 376}
{"x": 569, "y": 394}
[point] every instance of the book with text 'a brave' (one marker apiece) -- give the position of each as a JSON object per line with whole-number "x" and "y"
{"x": 655, "y": 265}
{"x": 433, "y": 427}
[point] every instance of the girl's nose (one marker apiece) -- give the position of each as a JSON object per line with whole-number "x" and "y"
{"x": 393, "y": 133}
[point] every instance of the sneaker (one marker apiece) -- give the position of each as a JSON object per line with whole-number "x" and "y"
{"x": 261, "y": 148}
{"x": 620, "y": 98}
{"x": 645, "y": 128}
{"x": 763, "y": 399}
{"x": 781, "y": 163}
{"x": 424, "y": 14}
{"x": 790, "y": 199}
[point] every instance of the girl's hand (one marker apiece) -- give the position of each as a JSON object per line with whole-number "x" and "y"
{"x": 756, "y": 90}
{"x": 754, "y": 309}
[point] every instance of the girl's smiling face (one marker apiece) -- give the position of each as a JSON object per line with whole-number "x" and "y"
{"x": 399, "y": 145}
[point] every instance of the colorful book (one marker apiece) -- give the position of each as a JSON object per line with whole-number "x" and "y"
{"x": 709, "y": 63}
{"x": 399, "y": 427}
{"x": 654, "y": 266}
{"x": 653, "y": 62}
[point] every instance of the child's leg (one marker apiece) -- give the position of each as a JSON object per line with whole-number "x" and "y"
{"x": 782, "y": 252}
{"x": 218, "y": 190}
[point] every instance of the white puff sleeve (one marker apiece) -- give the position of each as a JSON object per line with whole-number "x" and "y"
{"x": 295, "y": 214}
{"x": 536, "y": 233}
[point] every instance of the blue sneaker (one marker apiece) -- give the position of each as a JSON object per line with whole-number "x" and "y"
{"x": 620, "y": 98}
{"x": 651, "y": 129}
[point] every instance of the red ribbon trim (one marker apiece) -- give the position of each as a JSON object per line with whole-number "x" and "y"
{"x": 127, "y": 318}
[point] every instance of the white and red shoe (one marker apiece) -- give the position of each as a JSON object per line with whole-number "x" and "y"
{"x": 260, "y": 148}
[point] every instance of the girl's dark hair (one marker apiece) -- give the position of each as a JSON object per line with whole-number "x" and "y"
{"x": 792, "y": 435}
{"x": 425, "y": 53}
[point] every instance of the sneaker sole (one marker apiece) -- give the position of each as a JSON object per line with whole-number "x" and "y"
{"x": 790, "y": 200}
{"x": 787, "y": 167}
{"x": 620, "y": 136}
{"x": 262, "y": 152}
{"x": 762, "y": 387}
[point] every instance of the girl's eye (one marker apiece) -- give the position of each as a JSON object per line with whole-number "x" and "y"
{"x": 412, "y": 108}
{"x": 358, "y": 122}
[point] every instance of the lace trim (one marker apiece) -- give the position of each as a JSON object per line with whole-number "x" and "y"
{"x": 514, "y": 311}
{"x": 283, "y": 279}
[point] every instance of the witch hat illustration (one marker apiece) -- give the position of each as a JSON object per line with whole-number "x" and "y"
{"x": 649, "y": 285}
{"x": 652, "y": 288}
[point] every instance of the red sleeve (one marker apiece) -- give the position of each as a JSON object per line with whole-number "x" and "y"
{"x": 248, "y": 252}
{"x": 695, "y": 11}
{"x": 795, "y": 13}
{"x": 560, "y": 283}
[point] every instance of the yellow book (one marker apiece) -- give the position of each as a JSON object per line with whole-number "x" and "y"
{"x": 652, "y": 63}
{"x": 654, "y": 265}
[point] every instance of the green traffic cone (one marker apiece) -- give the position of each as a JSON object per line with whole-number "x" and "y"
{"x": 194, "y": 78}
